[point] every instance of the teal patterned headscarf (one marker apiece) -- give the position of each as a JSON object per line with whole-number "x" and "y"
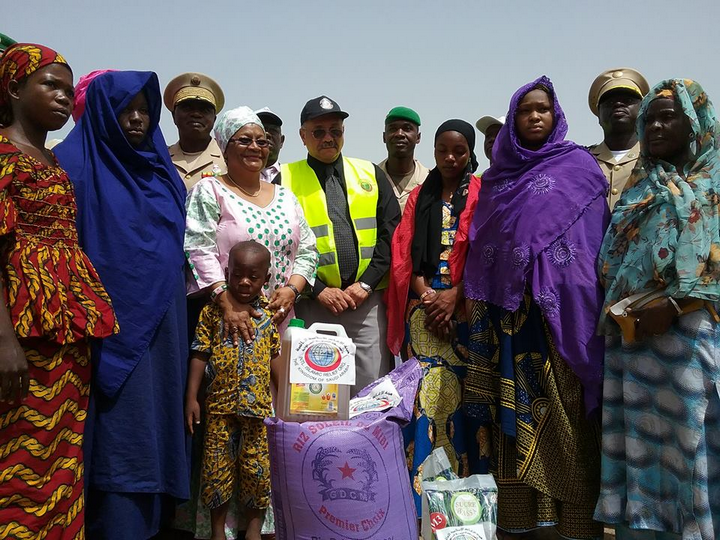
{"x": 665, "y": 230}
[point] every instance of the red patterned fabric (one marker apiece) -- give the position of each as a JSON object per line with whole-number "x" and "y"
{"x": 456, "y": 262}
{"x": 56, "y": 302}
{"x": 41, "y": 459}
{"x": 51, "y": 287}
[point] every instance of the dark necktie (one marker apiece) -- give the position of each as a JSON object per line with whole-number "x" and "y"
{"x": 342, "y": 228}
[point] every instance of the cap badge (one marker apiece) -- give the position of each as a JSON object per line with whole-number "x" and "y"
{"x": 326, "y": 104}
{"x": 195, "y": 81}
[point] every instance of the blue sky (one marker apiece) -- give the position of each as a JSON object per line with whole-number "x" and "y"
{"x": 446, "y": 59}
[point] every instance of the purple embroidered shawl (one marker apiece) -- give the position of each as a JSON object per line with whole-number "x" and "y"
{"x": 538, "y": 226}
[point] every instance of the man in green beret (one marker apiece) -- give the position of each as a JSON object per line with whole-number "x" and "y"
{"x": 401, "y": 136}
{"x": 5, "y": 42}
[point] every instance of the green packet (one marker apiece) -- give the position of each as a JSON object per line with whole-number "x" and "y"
{"x": 461, "y": 502}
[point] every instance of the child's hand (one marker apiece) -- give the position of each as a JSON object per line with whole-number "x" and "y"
{"x": 192, "y": 415}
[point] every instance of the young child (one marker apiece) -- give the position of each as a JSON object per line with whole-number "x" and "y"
{"x": 235, "y": 456}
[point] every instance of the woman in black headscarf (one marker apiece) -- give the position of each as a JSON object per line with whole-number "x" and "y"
{"x": 425, "y": 308}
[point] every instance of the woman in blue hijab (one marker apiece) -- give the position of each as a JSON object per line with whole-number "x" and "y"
{"x": 131, "y": 222}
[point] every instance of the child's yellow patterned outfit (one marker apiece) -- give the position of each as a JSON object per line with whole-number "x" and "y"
{"x": 235, "y": 456}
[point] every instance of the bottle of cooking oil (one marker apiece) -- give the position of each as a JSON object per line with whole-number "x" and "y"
{"x": 309, "y": 402}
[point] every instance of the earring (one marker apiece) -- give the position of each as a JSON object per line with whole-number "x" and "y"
{"x": 693, "y": 149}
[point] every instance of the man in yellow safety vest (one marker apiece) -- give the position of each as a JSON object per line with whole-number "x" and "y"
{"x": 352, "y": 209}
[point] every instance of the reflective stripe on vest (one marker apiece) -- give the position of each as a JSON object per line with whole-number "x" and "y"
{"x": 362, "y": 194}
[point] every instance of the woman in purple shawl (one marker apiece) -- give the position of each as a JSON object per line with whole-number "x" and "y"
{"x": 535, "y": 368}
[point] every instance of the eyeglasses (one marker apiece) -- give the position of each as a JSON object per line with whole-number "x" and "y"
{"x": 247, "y": 141}
{"x": 320, "y": 133}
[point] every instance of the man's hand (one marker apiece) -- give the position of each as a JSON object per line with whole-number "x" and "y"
{"x": 357, "y": 293}
{"x": 336, "y": 300}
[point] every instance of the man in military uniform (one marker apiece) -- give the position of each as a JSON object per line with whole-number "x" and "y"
{"x": 615, "y": 97}
{"x": 194, "y": 100}
{"x": 352, "y": 209}
{"x": 273, "y": 127}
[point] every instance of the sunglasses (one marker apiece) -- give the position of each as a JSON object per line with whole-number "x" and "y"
{"x": 247, "y": 141}
{"x": 320, "y": 133}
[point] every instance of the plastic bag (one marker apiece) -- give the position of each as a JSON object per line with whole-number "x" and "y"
{"x": 460, "y": 509}
{"x": 437, "y": 467}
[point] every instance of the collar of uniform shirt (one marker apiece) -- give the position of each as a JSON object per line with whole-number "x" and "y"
{"x": 324, "y": 170}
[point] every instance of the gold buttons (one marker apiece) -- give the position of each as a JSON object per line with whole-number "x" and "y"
{"x": 631, "y": 155}
{"x": 616, "y": 168}
{"x": 614, "y": 191}
{"x": 188, "y": 177}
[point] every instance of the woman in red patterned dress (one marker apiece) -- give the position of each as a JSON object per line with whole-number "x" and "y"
{"x": 53, "y": 303}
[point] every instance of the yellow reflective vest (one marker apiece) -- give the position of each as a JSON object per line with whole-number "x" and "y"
{"x": 362, "y": 193}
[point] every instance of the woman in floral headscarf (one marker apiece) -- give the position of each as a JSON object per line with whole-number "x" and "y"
{"x": 535, "y": 363}
{"x": 661, "y": 397}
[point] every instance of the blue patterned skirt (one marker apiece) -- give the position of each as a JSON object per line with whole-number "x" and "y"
{"x": 661, "y": 432}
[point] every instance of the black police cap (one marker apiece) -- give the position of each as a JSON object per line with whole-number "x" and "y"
{"x": 320, "y": 106}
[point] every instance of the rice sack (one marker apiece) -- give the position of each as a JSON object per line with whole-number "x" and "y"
{"x": 346, "y": 480}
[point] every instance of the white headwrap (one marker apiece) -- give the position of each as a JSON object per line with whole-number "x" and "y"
{"x": 230, "y": 121}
